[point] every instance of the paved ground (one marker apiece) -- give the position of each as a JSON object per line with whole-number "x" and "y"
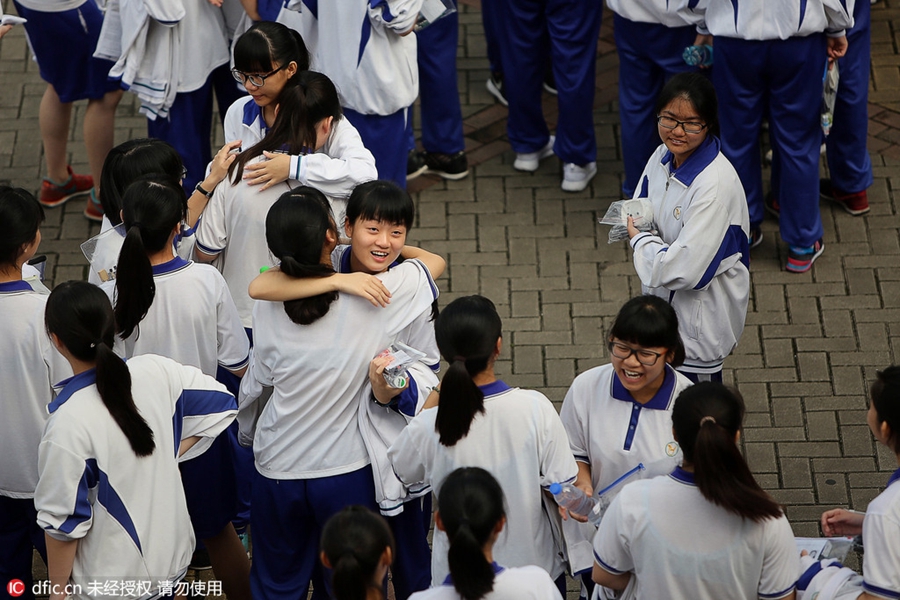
{"x": 812, "y": 341}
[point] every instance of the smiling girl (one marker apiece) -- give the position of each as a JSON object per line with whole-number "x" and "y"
{"x": 699, "y": 260}
{"x": 620, "y": 415}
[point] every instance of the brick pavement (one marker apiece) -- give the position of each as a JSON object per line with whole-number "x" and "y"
{"x": 812, "y": 341}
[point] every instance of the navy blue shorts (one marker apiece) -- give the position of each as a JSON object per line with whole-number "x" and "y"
{"x": 210, "y": 487}
{"x": 64, "y": 44}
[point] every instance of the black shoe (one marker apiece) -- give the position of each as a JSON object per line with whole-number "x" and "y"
{"x": 448, "y": 166}
{"x": 494, "y": 86}
{"x": 200, "y": 560}
{"x": 550, "y": 83}
{"x": 772, "y": 206}
{"x": 415, "y": 164}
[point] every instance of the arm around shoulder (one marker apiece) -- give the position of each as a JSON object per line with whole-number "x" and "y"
{"x": 433, "y": 262}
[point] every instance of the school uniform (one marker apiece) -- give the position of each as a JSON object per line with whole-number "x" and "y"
{"x": 361, "y": 49}
{"x": 127, "y": 512}
{"x": 881, "y": 534}
{"x": 650, "y": 37}
{"x": 521, "y": 441}
{"x": 335, "y": 170}
{"x": 567, "y": 33}
{"x": 611, "y": 432}
{"x": 699, "y": 261}
{"x": 509, "y": 584}
{"x": 234, "y": 226}
{"x": 679, "y": 545}
{"x": 306, "y": 439}
{"x": 770, "y": 62}
{"x": 849, "y": 165}
{"x": 30, "y": 366}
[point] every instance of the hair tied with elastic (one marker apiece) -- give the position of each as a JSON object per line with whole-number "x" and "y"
{"x": 93, "y": 344}
{"x": 707, "y": 419}
{"x": 459, "y": 358}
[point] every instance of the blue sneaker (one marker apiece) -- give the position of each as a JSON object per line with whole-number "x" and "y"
{"x": 801, "y": 259}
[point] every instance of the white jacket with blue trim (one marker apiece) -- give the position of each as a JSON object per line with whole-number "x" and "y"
{"x": 767, "y": 20}
{"x": 699, "y": 260}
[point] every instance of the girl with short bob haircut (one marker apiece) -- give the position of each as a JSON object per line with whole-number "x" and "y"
{"x": 113, "y": 428}
{"x": 471, "y": 512}
{"x": 699, "y": 259}
{"x": 30, "y": 366}
{"x": 619, "y": 415}
{"x": 475, "y": 420}
{"x": 879, "y": 524}
{"x": 707, "y": 530}
{"x": 358, "y": 547}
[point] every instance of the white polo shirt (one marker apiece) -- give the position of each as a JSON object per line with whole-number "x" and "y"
{"x": 881, "y": 534}
{"x": 612, "y": 433}
{"x": 193, "y": 319}
{"x": 30, "y": 366}
{"x": 516, "y": 583}
{"x": 309, "y": 427}
{"x": 520, "y": 440}
{"x": 680, "y": 545}
{"x": 128, "y": 512}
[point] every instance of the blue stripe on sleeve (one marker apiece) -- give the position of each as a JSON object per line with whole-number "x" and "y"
{"x": 879, "y": 591}
{"x": 734, "y": 241}
{"x": 781, "y": 594}
{"x": 407, "y": 400}
{"x": 177, "y": 423}
{"x": 606, "y": 566}
{"x": 206, "y": 402}
{"x": 82, "y": 511}
{"x": 109, "y": 498}
{"x": 207, "y": 249}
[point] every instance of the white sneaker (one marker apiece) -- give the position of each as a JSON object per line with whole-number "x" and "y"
{"x": 576, "y": 178}
{"x": 530, "y": 161}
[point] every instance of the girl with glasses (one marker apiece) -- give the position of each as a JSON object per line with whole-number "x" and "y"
{"x": 707, "y": 530}
{"x": 619, "y": 415}
{"x": 698, "y": 255}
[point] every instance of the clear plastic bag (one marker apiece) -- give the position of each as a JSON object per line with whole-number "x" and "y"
{"x": 829, "y": 96}
{"x": 395, "y": 374}
{"x": 617, "y": 215}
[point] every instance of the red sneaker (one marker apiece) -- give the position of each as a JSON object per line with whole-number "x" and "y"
{"x": 53, "y": 194}
{"x": 94, "y": 210}
{"x": 855, "y": 203}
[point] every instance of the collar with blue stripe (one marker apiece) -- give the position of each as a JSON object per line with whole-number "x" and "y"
{"x": 894, "y": 478}
{"x": 8, "y": 287}
{"x": 661, "y": 399}
{"x": 344, "y": 261}
{"x": 252, "y": 114}
{"x": 494, "y": 388}
{"x": 171, "y": 266}
{"x": 72, "y": 385}
{"x": 494, "y": 566}
{"x": 682, "y": 476}
{"x": 701, "y": 158}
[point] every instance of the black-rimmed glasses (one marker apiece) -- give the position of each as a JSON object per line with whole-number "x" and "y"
{"x": 255, "y": 78}
{"x": 647, "y": 358}
{"x": 689, "y": 126}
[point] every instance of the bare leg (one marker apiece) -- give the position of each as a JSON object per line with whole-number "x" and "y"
{"x": 99, "y": 119}
{"x": 230, "y": 563}
{"x": 54, "y": 118}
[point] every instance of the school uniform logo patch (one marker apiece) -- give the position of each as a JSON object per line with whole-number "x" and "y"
{"x": 672, "y": 448}
{"x": 677, "y": 213}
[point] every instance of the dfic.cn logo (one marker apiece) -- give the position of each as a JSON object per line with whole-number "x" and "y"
{"x": 15, "y": 588}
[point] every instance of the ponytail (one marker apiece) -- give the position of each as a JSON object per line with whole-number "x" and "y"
{"x": 470, "y": 506}
{"x": 466, "y": 333}
{"x": 152, "y": 207}
{"x": 296, "y": 232}
{"x": 354, "y": 542}
{"x": 706, "y": 419}
{"x": 79, "y": 314}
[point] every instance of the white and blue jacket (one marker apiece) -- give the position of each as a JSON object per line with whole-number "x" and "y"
{"x": 761, "y": 20}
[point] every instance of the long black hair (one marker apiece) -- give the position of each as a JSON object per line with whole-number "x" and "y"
{"x": 354, "y": 541}
{"x": 885, "y": 397}
{"x": 20, "y": 217}
{"x": 80, "y": 316}
{"x": 706, "y": 419}
{"x": 152, "y": 207}
{"x": 266, "y": 44}
{"x": 651, "y": 322}
{"x": 699, "y": 91}
{"x": 130, "y": 160}
{"x": 466, "y": 332}
{"x": 470, "y": 505}
{"x": 296, "y": 228}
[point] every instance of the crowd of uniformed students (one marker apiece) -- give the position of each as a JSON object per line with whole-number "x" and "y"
{"x": 141, "y": 460}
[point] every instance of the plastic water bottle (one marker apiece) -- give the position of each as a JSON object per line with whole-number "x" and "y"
{"x": 575, "y": 500}
{"x": 698, "y": 56}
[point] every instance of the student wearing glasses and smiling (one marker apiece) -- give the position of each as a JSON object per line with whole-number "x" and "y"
{"x": 620, "y": 415}
{"x": 698, "y": 258}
